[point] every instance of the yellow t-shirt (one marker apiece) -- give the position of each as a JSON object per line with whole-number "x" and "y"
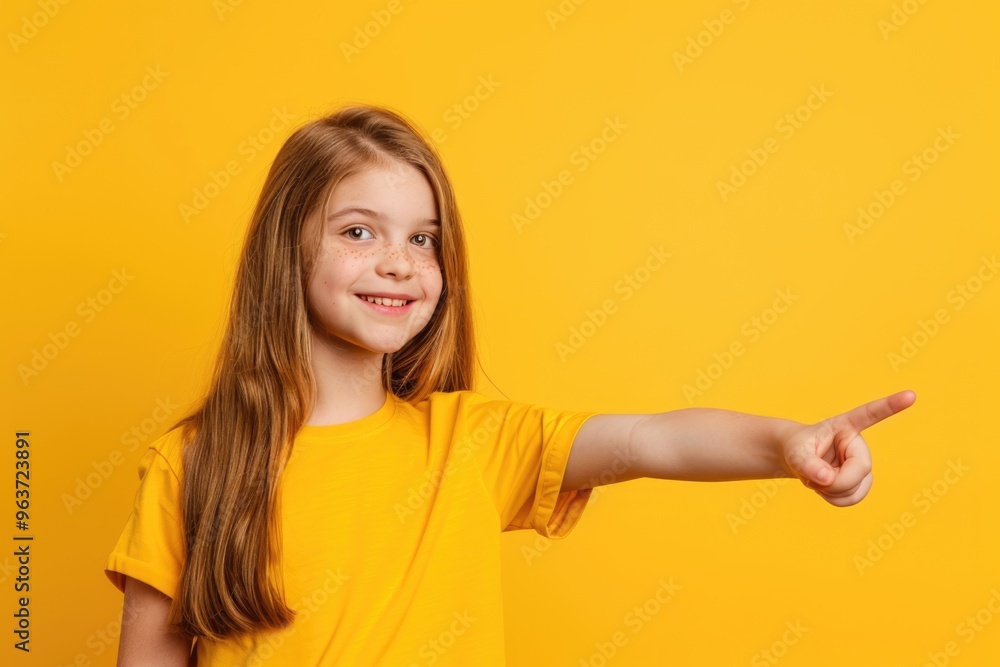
{"x": 391, "y": 530}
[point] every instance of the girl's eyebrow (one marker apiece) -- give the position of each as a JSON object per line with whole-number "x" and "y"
{"x": 373, "y": 214}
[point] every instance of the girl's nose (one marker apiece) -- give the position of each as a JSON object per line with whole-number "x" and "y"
{"x": 394, "y": 260}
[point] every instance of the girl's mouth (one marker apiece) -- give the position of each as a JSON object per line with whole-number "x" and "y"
{"x": 386, "y": 305}
{"x": 384, "y": 301}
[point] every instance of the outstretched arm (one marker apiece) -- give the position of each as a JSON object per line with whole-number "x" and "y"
{"x": 706, "y": 444}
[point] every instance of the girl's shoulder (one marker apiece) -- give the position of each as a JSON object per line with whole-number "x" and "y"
{"x": 458, "y": 399}
{"x": 462, "y": 405}
{"x": 167, "y": 449}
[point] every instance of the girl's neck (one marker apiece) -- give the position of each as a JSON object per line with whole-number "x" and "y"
{"x": 348, "y": 384}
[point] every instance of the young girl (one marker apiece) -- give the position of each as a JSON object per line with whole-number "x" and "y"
{"x": 338, "y": 495}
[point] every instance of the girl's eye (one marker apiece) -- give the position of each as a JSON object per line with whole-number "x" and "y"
{"x": 358, "y": 234}
{"x": 351, "y": 233}
{"x": 425, "y": 240}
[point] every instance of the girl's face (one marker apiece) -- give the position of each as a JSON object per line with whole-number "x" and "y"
{"x": 377, "y": 244}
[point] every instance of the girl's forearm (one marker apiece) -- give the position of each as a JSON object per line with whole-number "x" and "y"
{"x": 711, "y": 445}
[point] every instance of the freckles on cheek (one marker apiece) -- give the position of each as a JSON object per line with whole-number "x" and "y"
{"x": 348, "y": 256}
{"x": 427, "y": 266}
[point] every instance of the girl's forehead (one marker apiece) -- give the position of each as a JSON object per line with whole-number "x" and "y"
{"x": 390, "y": 176}
{"x": 379, "y": 190}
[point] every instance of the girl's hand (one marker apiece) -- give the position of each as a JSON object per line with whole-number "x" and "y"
{"x": 831, "y": 457}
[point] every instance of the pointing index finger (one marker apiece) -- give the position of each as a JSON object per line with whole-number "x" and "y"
{"x": 871, "y": 413}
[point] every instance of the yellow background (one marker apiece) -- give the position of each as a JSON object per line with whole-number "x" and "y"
{"x": 225, "y": 69}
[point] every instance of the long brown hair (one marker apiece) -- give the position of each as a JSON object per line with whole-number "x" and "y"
{"x": 262, "y": 387}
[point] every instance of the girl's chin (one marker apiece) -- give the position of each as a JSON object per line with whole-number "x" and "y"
{"x": 362, "y": 345}
{"x": 385, "y": 347}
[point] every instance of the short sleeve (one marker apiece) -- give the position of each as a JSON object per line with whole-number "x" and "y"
{"x": 522, "y": 451}
{"x": 150, "y": 547}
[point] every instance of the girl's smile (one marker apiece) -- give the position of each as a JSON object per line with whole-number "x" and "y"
{"x": 388, "y": 305}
